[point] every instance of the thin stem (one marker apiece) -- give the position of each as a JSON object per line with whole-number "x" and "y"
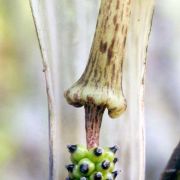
{"x": 93, "y": 120}
{"x": 49, "y": 91}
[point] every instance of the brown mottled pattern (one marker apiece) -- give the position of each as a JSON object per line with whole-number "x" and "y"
{"x": 117, "y": 5}
{"x": 103, "y": 73}
{"x": 115, "y": 19}
{"x": 112, "y": 34}
{"x": 117, "y": 27}
{"x": 103, "y": 47}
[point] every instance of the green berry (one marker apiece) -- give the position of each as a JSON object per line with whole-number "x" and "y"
{"x": 97, "y": 176}
{"x": 86, "y": 167}
{"x": 112, "y": 166}
{"x": 78, "y": 152}
{"x": 73, "y": 160}
{"x": 108, "y": 176}
{"x": 110, "y": 153}
{"x": 96, "y": 154}
{"x": 76, "y": 173}
{"x": 103, "y": 166}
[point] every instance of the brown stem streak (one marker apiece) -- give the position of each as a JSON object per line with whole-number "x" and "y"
{"x": 93, "y": 120}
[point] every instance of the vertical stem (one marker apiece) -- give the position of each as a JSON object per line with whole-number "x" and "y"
{"x": 51, "y": 136}
{"x": 93, "y": 120}
{"x": 49, "y": 90}
{"x": 134, "y": 73}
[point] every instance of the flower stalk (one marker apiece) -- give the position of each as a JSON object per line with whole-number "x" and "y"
{"x": 100, "y": 86}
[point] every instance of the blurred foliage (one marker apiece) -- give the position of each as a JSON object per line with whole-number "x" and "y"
{"x": 7, "y": 147}
{"x": 16, "y": 82}
{"x": 9, "y": 83}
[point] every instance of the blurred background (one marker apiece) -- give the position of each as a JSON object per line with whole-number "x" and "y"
{"x": 23, "y": 104}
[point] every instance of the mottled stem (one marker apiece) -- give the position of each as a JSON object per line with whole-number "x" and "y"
{"x": 102, "y": 79}
{"x": 93, "y": 120}
{"x": 100, "y": 86}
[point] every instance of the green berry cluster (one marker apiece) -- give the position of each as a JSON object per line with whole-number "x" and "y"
{"x": 94, "y": 164}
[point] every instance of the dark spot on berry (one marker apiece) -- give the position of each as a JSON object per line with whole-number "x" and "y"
{"x": 70, "y": 167}
{"x": 115, "y": 160}
{"x": 84, "y": 168}
{"x": 98, "y": 151}
{"x": 115, "y": 173}
{"x": 98, "y": 176}
{"x": 72, "y": 148}
{"x": 105, "y": 164}
{"x": 114, "y": 149}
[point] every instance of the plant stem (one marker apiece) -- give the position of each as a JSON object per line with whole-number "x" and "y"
{"x": 102, "y": 79}
{"x": 100, "y": 86}
{"x": 49, "y": 90}
{"x": 133, "y": 129}
{"x": 93, "y": 120}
